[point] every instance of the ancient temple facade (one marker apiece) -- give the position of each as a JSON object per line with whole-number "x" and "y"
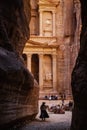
{"x": 53, "y": 46}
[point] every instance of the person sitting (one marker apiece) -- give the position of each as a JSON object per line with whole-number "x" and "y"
{"x": 70, "y": 105}
{"x": 46, "y": 97}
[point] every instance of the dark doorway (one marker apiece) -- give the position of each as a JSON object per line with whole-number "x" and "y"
{"x": 35, "y": 66}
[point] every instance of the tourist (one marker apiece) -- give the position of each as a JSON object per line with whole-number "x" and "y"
{"x": 70, "y": 105}
{"x": 44, "y": 113}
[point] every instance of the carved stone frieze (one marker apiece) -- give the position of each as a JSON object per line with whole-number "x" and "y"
{"x": 50, "y": 2}
{"x": 44, "y": 40}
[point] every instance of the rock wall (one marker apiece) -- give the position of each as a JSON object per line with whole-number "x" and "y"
{"x": 15, "y": 18}
{"x": 18, "y": 90}
{"x": 79, "y": 78}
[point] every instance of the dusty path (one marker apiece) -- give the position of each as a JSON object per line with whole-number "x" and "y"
{"x": 55, "y": 122}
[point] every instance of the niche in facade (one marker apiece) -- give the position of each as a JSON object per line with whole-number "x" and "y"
{"x": 47, "y": 23}
{"x": 47, "y": 71}
{"x": 35, "y": 66}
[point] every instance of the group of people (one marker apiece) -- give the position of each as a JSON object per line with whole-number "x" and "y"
{"x": 61, "y": 96}
{"x": 51, "y": 97}
{"x": 60, "y": 109}
{"x": 57, "y": 109}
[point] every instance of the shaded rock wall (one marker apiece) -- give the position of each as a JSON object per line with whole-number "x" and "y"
{"x": 18, "y": 90}
{"x": 14, "y": 22}
{"x": 79, "y": 78}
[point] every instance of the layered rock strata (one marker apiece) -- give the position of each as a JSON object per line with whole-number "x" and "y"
{"x": 18, "y": 90}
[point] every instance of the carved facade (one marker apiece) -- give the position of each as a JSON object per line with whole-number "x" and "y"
{"x": 52, "y": 49}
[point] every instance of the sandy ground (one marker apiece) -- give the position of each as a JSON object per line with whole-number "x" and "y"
{"x": 55, "y": 122}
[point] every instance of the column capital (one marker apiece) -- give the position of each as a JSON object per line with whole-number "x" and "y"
{"x": 29, "y": 55}
{"x": 41, "y": 11}
{"x": 54, "y": 11}
{"x": 41, "y": 55}
{"x": 54, "y": 55}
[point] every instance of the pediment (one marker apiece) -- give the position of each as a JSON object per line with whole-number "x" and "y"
{"x": 48, "y": 2}
{"x": 44, "y": 1}
{"x": 39, "y": 44}
{"x": 35, "y": 43}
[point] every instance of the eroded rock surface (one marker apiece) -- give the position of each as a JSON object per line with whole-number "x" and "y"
{"x": 79, "y": 78}
{"x": 18, "y": 91}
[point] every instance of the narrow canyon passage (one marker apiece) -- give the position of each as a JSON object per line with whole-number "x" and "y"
{"x": 55, "y": 122}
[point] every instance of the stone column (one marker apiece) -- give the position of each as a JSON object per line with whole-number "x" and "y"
{"x": 41, "y": 71}
{"x": 54, "y": 13}
{"x": 54, "y": 72}
{"x": 40, "y": 21}
{"x": 29, "y": 61}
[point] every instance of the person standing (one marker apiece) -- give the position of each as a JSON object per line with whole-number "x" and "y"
{"x": 43, "y": 113}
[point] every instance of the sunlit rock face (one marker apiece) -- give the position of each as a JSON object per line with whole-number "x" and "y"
{"x": 18, "y": 91}
{"x": 79, "y": 78}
